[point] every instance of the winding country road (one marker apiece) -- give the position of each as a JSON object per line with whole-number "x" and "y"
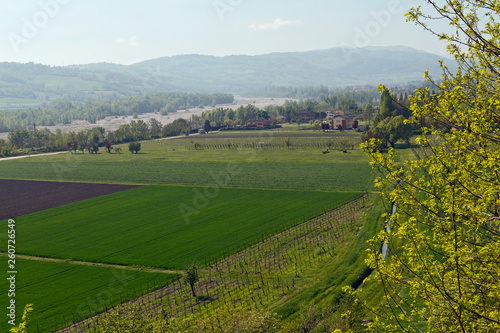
{"x": 29, "y": 156}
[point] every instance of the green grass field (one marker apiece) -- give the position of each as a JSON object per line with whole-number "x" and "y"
{"x": 164, "y": 226}
{"x": 59, "y": 290}
{"x": 309, "y": 176}
{"x": 173, "y": 162}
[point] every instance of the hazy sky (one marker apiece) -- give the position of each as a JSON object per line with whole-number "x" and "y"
{"x": 64, "y": 32}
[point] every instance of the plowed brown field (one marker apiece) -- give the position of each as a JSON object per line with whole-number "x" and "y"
{"x": 20, "y": 197}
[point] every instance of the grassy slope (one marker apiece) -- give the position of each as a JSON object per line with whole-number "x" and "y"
{"x": 347, "y": 269}
{"x": 372, "y": 291}
{"x": 60, "y": 289}
{"x": 145, "y": 226}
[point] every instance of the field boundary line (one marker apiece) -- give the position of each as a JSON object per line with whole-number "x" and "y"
{"x": 91, "y": 263}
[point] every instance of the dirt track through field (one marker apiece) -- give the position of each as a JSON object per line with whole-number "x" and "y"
{"x": 29, "y": 156}
{"x": 87, "y": 263}
{"x": 21, "y": 197}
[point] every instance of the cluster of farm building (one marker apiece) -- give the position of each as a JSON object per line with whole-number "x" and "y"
{"x": 335, "y": 119}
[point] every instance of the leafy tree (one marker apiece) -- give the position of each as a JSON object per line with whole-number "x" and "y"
{"x": 93, "y": 147}
{"x": 348, "y": 105}
{"x": 82, "y": 146}
{"x": 74, "y": 146}
{"x": 229, "y": 123}
{"x": 95, "y": 134}
{"x": 325, "y": 126}
{"x": 82, "y": 137}
{"x": 331, "y": 100}
{"x": 122, "y": 134}
{"x": 262, "y": 114}
{"x": 382, "y": 132}
{"x": 19, "y": 138}
{"x": 443, "y": 271}
{"x": 155, "y": 127}
{"x": 320, "y": 115}
{"x": 230, "y": 114}
{"x": 400, "y": 129}
{"x": 391, "y": 106}
{"x": 386, "y": 107}
{"x": 207, "y": 126}
{"x": 368, "y": 135}
{"x": 134, "y": 147}
{"x": 23, "y": 325}
{"x": 246, "y": 113}
{"x": 108, "y": 146}
{"x": 5, "y": 152}
{"x": 192, "y": 276}
{"x": 175, "y": 128}
{"x": 139, "y": 129}
{"x": 368, "y": 113}
{"x": 392, "y": 129}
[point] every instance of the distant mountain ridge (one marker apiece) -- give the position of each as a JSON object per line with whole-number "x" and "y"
{"x": 336, "y": 67}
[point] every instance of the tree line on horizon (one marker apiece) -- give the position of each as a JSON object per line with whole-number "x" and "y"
{"x": 66, "y": 112}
